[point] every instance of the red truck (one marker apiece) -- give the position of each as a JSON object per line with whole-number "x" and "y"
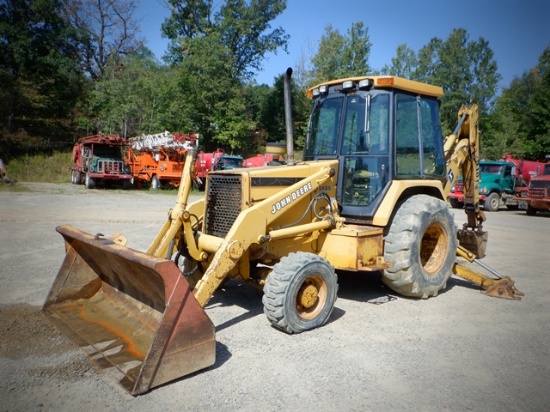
{"x": 157, "y": 160}
{"x": 501, "y": 181}
{"x": 217, "y": 160}
{"x": 537, "y": 196}
{"x": 98, "y": 160}
{"x": 266, "y": 159}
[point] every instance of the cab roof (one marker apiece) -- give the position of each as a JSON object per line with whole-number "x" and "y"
{"x": 389, "y": 82}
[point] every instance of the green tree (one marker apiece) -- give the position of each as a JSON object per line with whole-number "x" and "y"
{"x": 356, "y": 51}
{"x": 245, "y": 30}
{"x": 214, "y": 100}
{"x": 327, "y": 62}
{"x": 40, "y": 77}
{"x": 341, "y": 56}
{"x": 272, "y": 115}
{"x": 538, "y": 127}
{"x": 404, "y": 64}
{"x": 428, "y": 61}
{"x": 521, "y": 118}
{"x": 465, "y": 69}
{"x": 123, "y": 101}
{"x": 242, "y": 27}
{"x": 216, "y": 50}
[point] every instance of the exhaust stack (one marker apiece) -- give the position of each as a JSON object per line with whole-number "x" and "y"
{"x": 288, "y": 118}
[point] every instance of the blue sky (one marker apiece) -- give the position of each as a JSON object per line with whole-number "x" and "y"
{"x": 517, "y": 30}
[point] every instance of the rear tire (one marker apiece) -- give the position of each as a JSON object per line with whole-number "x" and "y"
{"x": 421, "y": 245}
{"x": 300, "y": 292}
{"x": 75, "y": 177}
{"x": 492, "y": 202}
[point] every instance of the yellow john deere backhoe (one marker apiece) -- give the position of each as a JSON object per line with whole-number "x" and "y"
{"x": 368, "y": 196}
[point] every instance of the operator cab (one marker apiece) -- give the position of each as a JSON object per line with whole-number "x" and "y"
{"x": 381, "y": 129}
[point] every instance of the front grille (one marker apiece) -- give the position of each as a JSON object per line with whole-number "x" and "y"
{"x": 109, "y": 166}
{"x": 539, "y": 189}
{"x": 223, "y": 203}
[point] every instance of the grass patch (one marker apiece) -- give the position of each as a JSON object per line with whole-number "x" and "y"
{"x": 55, "y": 168}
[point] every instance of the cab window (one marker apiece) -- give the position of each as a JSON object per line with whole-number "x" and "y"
{"x": 419, "y": 142}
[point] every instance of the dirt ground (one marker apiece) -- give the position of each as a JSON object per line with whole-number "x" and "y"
{"x": 460, "y": 351}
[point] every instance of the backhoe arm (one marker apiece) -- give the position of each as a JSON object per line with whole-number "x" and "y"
{"x": 462, "y": 157}
{"x": 501, "y": 287}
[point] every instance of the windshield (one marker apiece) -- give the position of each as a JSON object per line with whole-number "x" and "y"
{"x": 490, "y": 168}
{"x": 356, "y": 128}
{"x": 323, "y": 129}
{"x": 364, "y": 123}
{"x": 107, "y": 151}
{"x": 230, "y": 162}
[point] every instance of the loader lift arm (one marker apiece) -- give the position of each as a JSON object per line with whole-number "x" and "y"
{"x": 251, "y": 226}
{"x": 462, "y": 157}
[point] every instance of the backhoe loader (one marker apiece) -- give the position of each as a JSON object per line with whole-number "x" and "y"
{"x": 367, "y": 196}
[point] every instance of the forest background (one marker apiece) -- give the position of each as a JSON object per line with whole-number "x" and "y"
{"x": 73, "y": 68}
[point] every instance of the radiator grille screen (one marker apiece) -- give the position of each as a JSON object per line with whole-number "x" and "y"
{"x": 223, "y": 203}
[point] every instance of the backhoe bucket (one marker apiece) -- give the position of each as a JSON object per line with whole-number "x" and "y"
{"x": 133, "y": 313}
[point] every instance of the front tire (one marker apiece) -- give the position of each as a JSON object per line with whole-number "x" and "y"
{"x": 455, "y": 204}
{"x": 300, "y": 292}
{"x": 531, "y": 211}
{"x": 155, "y": 183}
{"x": 421, "y": 246}
{"x": 90, "y": 182}
{"x": 492, "y": 202}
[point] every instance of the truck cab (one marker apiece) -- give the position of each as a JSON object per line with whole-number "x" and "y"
{"x": 227, "y": 162}
{"x": 537, "y": 196}
{"x": 497, "y": 182}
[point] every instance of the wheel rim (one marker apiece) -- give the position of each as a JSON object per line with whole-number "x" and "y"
{"x": 433, "y": 249}
{"x": 311, "y": 297}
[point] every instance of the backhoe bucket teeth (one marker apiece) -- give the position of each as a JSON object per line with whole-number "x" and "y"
{"x": 132, "y": 312}
{"x": 504, "y": 288}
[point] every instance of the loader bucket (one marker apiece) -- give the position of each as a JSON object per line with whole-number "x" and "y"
{"x": 133, "y": 313}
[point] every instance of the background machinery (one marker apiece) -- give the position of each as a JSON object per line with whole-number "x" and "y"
{"x": 208, "y": 162}
{"x": 537, "y": 196}
{"x": 99, "y": 160}
{"x": 500, "y": 181}
{"x": 157, "y": 160}
{"x": 368, "y": 196}
{"x": 263, "y": 159}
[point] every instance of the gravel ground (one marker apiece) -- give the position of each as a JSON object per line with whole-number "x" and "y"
{"x": 460, "y": 351}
